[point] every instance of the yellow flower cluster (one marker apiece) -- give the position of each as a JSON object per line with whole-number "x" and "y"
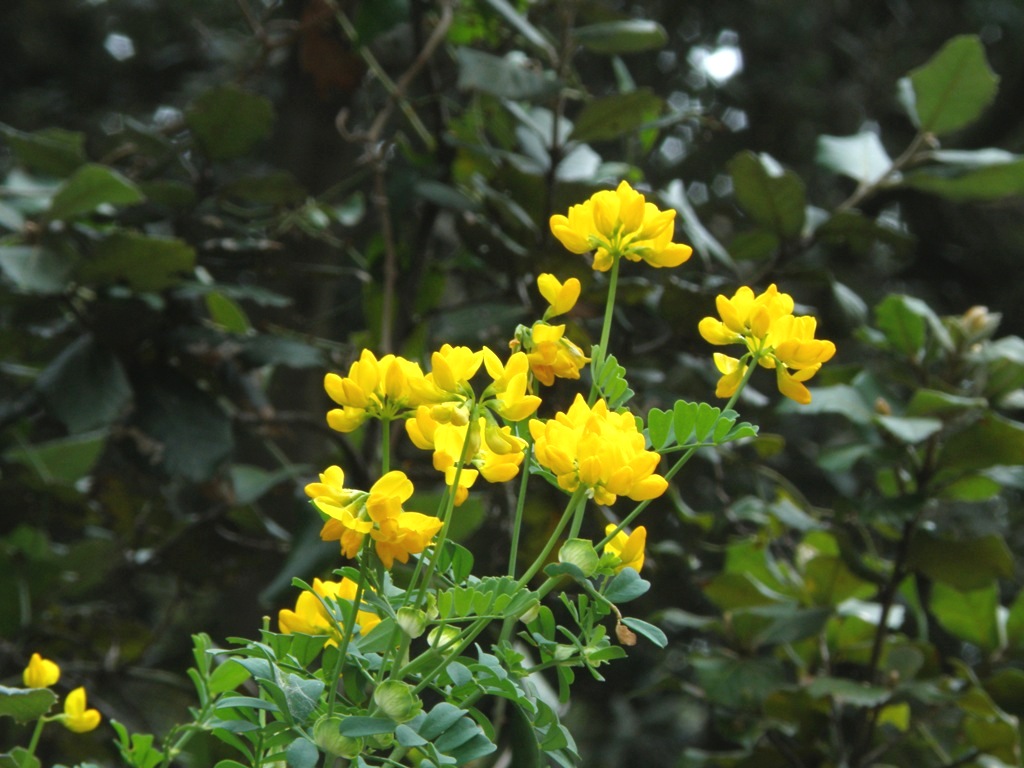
{"x": 77, "y": 717}
{"x": 599, "y": 450}
{"x": 488, "y": 450}
{"x": 352, "y": 515}
{"x": 774, "y": 337}
{"x": 620, "y": 224}
{"x": 549, "y": 353}
{"x": 310, "y": 617}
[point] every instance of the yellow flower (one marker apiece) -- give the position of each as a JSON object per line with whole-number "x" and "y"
{"x": 562, "y": 297}
{"x": 629, "y": 549}
{"x": 374, "y": 388}
{"x": 774, "y": 338}
{"x": 493, "y": 451}
{"x": 601, "y": 450}
{"x": 549, "y": 353}
{"x": 617, "y": 224}
{"x": 310, "y": 616}
{"x": 76, "y": 717}
{"x": 745, "y": 317}
{"x": 40, "y": 672}
{"x": 353, "y": 515}
{"x": 510, "y": 386}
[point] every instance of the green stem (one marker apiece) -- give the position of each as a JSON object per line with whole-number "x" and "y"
{"x": 385, "y": 445}
{"x": 34, "y": 742}
{"x": 570, "y": 511}
{"x": 517, "y": 522}
{"x": 349, "y": 630}
{"x": 601, "y": 352}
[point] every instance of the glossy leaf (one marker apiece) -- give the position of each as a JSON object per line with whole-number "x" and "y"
{"x": 618, "y": 37}
{"x": 506, "y": 77}
{"x": 146, "y": 263}
{"x": 964, "y": 564}
{"x": 614, "y": 116}
{"x": 861, "y": 157}
{"x": 26, "y": 704}
{"x": 952, "y": 89}
{"x": 85, "y": 386}
{"x": 53, "y": 151}
{"x": 36, "y": 269}
{"x": 773, "y": 197}
{"x": 90, "y": 187}
{"x": 968, "y": 615}
{"x": 970, "y": 184}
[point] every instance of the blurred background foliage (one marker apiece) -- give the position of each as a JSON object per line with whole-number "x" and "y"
{"x": 205, "y": 205}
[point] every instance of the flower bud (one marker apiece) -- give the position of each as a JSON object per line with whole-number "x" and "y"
{"x": 501, "y": 440}
{"x": 327, "y": 736}
{"x": 397, "y": 701}
{"x": 441, "y": 636}
{"x": 581, "y": 553}
{"x": 412, "y": 620}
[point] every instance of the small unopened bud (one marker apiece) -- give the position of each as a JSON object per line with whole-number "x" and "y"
{"x": 327, "y": 735}
{"x": 412, "y": 620}
{"x": 581, "y": 553}
{"x": 882, "y": 407}
{"x": 625, "y": 634}
{"x": 442, "y": 636}
{"x": 397, "y": 701}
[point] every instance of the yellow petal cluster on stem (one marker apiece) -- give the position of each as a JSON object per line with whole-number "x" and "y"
{"x": 600, "y": 450}
{"x": 310, "y": 617}
{"x": 774, "y": 338}
{"x": 617, "y": 224}
{"x": 40, "y": 672}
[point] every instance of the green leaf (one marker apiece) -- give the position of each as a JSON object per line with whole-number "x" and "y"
{"x": 228, "y": 122}
{"x": 227, "y": 313}
{"x": 909, "y": 430}
{"x": 969, "y": 615}
{"x": 773, "y": 197}
{"x": 614, "y": 116}
{"x": 861, "y": 157}
{"x": 611, "y": 382}
{"x": 904, "y": 320}
{"x": 739, "y": 683}
{"x": 522, "y": 25}
{"x": 991, "y": 441}
{"x": 91, "y": 186}
{"x": 651, "y": 632}
{"x": 85, "y": 386}
{"x": 302, "y": 753}
{"x": 357, "y": 726}
{"x": 840, "y": 398}
{"x": 659, "y": 428}
{"x": 951, "y": 89}
{"x": 963, "y": 564}
{"x": 970, "y": 184}
{"x": 617, "y": 37}
{"x": 53, "y": 151}
{"x": 846, "y": 691}
{"x": 191, "y": 432}
{"x": 302, "y": 694}
{"x": 64, "y": 460}
{"x": 625, "y": 586}
{"x": 935, "y": 403}
{"x": 36, "y": 269}
{"x": 145, "y": 263}
{"x": 19, "y": 757}
{"x": 510, "y": 77}
{"x": 25, "y": 704}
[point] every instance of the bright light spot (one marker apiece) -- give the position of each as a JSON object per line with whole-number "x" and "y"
{"x": 165, "y": 116}
{"x": 722, "y": 64}
{"x": 735, "y": 119}
{"x": 672, "y": 149}
{"x": 119, "y": 46}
